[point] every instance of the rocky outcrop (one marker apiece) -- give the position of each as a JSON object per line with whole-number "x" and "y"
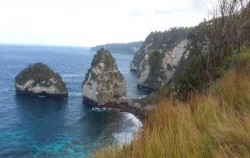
{"x": 39, "y": 80}
{"x": 158, "y": 57}
{"x": 104, "y": 84}
{"x": 157, "y": 68}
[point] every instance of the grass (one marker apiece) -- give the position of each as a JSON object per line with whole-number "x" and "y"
{"x": 213, "y": 124}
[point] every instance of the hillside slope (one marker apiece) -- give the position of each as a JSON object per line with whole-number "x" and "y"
{"x": 215, "y": 123}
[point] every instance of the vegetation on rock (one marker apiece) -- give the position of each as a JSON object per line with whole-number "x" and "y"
{"x": 155, "y": 63}
{"x": 213, "y": 48}
{"x": 163, "y": 41}
{"x": 101, "y": 56}
{"x": 130, "y": 48}
{"x": 205, "y": 110}
{"x": 41, "y": 74}
{"x": 215, "y": 123}
{"x": 103, "y": 84}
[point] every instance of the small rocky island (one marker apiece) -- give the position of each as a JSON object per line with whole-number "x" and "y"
{"x": 104, "y": 84}
{"x": 40, "y": 80}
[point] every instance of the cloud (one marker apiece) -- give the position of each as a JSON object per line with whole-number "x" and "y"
{"x": 136, "y": 13}
{"x": 162, "y": 12}
{"x": 91, "y": 22}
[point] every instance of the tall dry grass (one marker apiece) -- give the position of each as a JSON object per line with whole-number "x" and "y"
{"x": 212, "y": 124}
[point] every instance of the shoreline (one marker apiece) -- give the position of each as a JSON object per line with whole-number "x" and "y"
{"x": 139, "y": 112}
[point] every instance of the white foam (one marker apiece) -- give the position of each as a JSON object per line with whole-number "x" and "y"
{"x": 75, "y": 94}
{"x": 100, "y": 109}
{"x": 128, "y": 134}
{"x": 97, "y": 109}
{"x": 71, "y": 75}
{"x": 134, "y": 119}
{"x": 42, "y": 96}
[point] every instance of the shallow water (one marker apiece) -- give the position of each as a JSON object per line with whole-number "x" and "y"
{"x": 45, "y": 127}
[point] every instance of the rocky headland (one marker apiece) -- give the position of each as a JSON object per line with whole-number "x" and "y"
{"x": 40, "y": 80}
{"x": 124, "y": 48}
{"x": 157, "y": 59}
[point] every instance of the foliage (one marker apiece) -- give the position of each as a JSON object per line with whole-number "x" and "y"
{"x": 155, "y": 63}
{"x": 211, "y": 122}
{"x": 215, "y": 123}
{"x": 101, "y": 56}
{"x": 213, "y": 48}
{"x": 39, "y": 72}
{"x": 167, "y": 39}
{"x": 158, "y": 40}
{"x": 189, "y": 74}
{"x": 243, "y": 57}
{"x": 229, "y": 32}
{"x": 155, "y": 59}
{"x": 130, "y": 48}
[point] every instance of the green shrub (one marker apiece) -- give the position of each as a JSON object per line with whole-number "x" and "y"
{"x": 39, "y": 73}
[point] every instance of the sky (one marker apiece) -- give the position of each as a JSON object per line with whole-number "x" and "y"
{"x": 93, "y": 22}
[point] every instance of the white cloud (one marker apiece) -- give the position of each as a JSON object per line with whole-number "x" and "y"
{"x": 91, "y": 22}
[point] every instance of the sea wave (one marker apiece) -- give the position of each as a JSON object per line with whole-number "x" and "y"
{"x": 71, "y": 75}
{"x": 97, "y": 109}
{"x": 132, "y": 127}
{"x": 75, "y": 94}
{"x": 101, "y": 109}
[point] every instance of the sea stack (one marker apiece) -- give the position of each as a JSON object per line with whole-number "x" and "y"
{"x": 104, "y": 84}
{"x": 40, "y": 80}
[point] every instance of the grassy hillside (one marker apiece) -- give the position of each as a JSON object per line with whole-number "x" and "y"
{"x": 215, "y": 123}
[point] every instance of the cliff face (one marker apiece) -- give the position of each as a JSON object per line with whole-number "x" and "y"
{"x": 158, "y": 57}
{"x": 104, "y": 83}
{"x": 39, "y": 80}
{"x": 157, "y": 68}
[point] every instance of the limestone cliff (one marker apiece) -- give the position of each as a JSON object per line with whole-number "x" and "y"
{"x": 157, "y": 67}
{"x": 39, "y": 80}
{"x": 104, "y": 83}
{"x": 158, "y": 57}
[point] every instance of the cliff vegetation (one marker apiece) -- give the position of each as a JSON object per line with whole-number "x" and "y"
{"x": 41, "y": 74}
{"x": 204, "y": 111}
{"x": 215, "y": 123}
{"x": 130, "y": 48}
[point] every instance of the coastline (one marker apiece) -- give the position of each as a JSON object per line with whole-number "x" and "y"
{"x": 139, "y": 112}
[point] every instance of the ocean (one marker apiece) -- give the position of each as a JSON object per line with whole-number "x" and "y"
{"x": 46, "y": 127}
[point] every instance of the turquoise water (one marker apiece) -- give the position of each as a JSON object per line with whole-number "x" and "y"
{"x": 43, "y": 127}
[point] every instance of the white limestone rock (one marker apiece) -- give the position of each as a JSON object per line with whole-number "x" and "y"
{"x": 158, "y": 57}
{"x": 39, "y": 80}
{"x": 158, "y": 66}
{"x": 104, "y": 83}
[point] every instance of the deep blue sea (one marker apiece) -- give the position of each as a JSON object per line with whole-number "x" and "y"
{"x": 43, "y": 127}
